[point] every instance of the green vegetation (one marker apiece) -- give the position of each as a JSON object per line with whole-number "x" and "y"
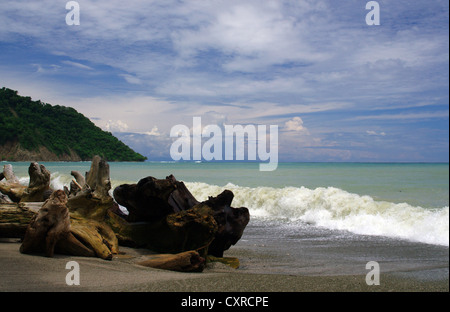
{"x": 58, "y": 128}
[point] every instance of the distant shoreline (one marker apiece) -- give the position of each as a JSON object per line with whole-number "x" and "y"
{"x": 236, "y": 162}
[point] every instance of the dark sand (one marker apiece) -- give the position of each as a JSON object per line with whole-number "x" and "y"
{"x": 20, "y": 272}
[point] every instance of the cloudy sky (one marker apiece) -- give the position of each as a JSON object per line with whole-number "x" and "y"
{"x": 338, "y": 89}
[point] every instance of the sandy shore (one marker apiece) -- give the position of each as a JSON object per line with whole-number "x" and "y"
{"x": 19, "y": 272}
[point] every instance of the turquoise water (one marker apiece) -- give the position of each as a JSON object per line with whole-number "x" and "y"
{"x": 406, "y": 201}
{"x": 425, "y": 185}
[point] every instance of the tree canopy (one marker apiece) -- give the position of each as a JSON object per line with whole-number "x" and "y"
{"x": 58, "y": 128}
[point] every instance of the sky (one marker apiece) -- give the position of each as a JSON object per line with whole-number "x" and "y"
{"x": 337, "y": 88}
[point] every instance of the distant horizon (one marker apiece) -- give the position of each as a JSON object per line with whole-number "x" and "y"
{"x": 237, "y": 162}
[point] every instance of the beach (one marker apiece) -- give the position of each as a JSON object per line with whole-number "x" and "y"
{"x": 35, "y": 273}
{"x": 266, "y": 265}
{"x": 313, "y": 228}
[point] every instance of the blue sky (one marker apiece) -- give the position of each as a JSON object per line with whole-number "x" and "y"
{"x": 338, "y": 89}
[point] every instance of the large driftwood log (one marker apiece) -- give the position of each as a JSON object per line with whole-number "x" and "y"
{"x": 14, "y": 218}
{"x": 151, "y": 198}
{"x": 161, "y": 217}
{"x": 158, "y": 201}
{"x": 192, "y": 229}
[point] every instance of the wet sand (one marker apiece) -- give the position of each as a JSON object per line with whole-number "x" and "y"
{"x": 31, "y": 273}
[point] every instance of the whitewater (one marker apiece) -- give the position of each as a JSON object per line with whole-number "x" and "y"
{"x": 336, "y": 209}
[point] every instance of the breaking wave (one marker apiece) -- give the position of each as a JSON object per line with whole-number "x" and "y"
{"x": 326, "y": 207}
{"x": 336, "y": 209}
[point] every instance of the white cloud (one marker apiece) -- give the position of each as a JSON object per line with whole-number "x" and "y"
{"x": 131, "y": 79}
{"x": 371, "y": 132}
{"x": 296, "y": 124}
{"x": 153, "y": 132}
{"x": 116, "y": 126}
{"x": 253, "y": 35}
{"x": 78, "y": 65}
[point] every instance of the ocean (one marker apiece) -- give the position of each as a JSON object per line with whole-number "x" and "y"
{"x": 316, "y": 218}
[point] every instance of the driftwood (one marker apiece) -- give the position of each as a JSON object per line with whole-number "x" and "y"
{"x": 231, "y": 222}
{"x": 192, "y": 229}
{"x": 82, "y": 215}
{"x": 86, "y": 221}
{"x": 91, "y": 199}
{"x": 151, "y": 198}
{"x": 232, "y": 262}
{"x": 37, "y": 190}
{"x": 4, "y": 199}
{"x": 166, "y": 202}
{"x": 88, "y": 204}
{"x": 188, "y": 261}
{"x": 14, "y": 218}
{"x": 9, "y": 184}
{"x": 50, "y": 227}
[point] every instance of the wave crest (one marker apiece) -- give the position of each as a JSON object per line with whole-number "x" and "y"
{"x": 337, "y": 209}
{"x": 327, "y": 207}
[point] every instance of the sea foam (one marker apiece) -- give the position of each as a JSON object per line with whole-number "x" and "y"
{"x": 326, "y": 207}
{"x": 337, "y": 209}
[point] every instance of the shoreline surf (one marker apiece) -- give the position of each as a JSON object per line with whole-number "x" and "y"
{"x": 423, "y": 217}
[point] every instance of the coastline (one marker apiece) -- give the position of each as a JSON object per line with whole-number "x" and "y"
{"x": 276, "y": 253}
{"x": 35, "y": 273}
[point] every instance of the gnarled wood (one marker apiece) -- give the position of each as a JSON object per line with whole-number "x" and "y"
{"x": 39, "y": 186}
{"x": 48, "y": 226}
{"x": 14, "y": 218}
{"x": 4, "y": 199}
{"x": 162, "y": 201}
{"x": 231, "y": 221}
{"x": 88, "y": 203}
{"x": 151, "y": 199}
{"x": 9, "y": 184}
{"x": 163, "y": 216}
{"x": 190, "y": 229}
{"x": 96, "y": 236}
{"x": 37, "y": 190}
{"x": 92, "y": 201}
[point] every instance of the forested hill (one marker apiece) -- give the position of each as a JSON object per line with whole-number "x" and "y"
{"x": 32, "y": 130}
